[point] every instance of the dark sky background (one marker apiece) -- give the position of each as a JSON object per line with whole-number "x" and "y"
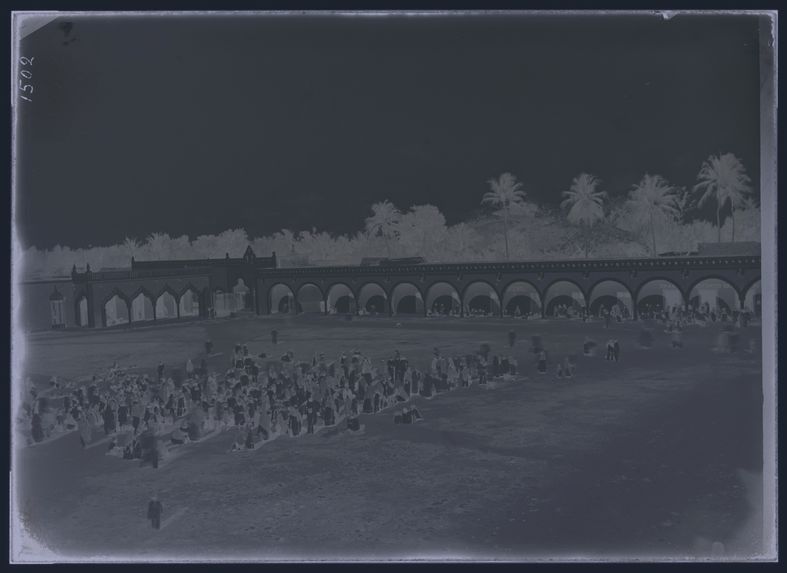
{"x": 194, "y": 125}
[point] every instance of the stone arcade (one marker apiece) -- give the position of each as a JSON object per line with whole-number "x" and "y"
{"x": 155, "y": 291}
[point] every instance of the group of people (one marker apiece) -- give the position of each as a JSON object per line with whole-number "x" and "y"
{"x": 697, "y": 314}
{"x": 263, "y": 397}
{"x": 145, "y": 416}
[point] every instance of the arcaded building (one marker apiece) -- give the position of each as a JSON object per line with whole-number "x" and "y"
{"x": 723, "y": 277}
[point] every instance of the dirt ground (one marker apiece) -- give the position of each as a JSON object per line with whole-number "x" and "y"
{"x": 658, "y": 456}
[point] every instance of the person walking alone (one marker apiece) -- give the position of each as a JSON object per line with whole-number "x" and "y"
{"x": 155, "y": 509}
{"x": 610, "y": 349}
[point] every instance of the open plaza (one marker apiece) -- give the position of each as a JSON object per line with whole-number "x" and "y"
{"x": 656, "y": 454}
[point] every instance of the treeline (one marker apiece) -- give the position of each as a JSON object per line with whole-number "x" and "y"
{"x": 654, "y": 217}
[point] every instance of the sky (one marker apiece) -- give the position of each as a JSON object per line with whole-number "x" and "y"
{"x": 194, "y": 125}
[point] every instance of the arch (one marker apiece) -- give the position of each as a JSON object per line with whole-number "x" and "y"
{"x": 242, "y": 294}
{"x": 521, "y": 298}
{"x": 657, "y": 294}
{"x": 57, "y": 310}
{"x": 82, "y": 312}
{"x": 116, "y": 309}
{"x": 166, "y": 305}
{"x": 563, "y": 295}
{"x": 752, "y": 298}
{"x": 142, "y": 307}
{"x": 340, "y": 299}
{"x": 223, "y": 302}
{"x": 309, "y": 299}
{"x": 372, "y": 298}
{"x": 608, "y": 294}
{"x": 240, "y": 286}
{"x": 443, "y": 298}
{"x": 480, "y": 297}
{"x": 715, "y": 294}
{"x": 189, "y": 302}
{"x": 406, "y": 298}
{"x": 281, "y": 299}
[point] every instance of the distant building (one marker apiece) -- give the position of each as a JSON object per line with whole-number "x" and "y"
{"x": 741, "y": 249}
{"x": 146, "y": 291}
{"x": 386, "y": 262}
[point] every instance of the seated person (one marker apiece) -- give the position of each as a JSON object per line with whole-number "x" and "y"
{"x": 128, "y": 451}
{"x": 238, "y": 444}
{"x": 353, "y": 423}
{"x": 178, "y": 437}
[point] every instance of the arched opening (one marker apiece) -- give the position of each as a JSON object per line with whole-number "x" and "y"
{"x": 481, "y": 299}
{"x": 166, "y": 306}
{"x": 242, "y": 295}
{"x": 521, "y": 299}
{"x": 142, "y": 308}
{"x": 309, "y": 299}
{"x": 341, "y": 299}
{"x": 611, "y": 297}
{"x": 116, "y": 311}
{"x": 57, "y": 310}
{"x": 714, "y": 297}
{"x": 752, "y": 300}
{"x": 189, "y": 303}
{"x": 82, "y": 312}
{"x": 564, "y": 299}
{"x": 282, "y": 299}
{"x": 223, "y": 303}
{"x": 656, "y": 296}
{"x": 372, "y": 299}
{"x": 407, "y": 299}
{"x": 442, "y": 299}
{"x": 375, "y": 304}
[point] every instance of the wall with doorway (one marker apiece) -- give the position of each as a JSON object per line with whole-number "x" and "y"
{"x": 34, "y": 304}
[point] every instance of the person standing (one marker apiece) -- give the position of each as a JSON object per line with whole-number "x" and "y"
{"x": 511, "y": 338}
{"x": 615, "y": 350}
{"x": 677, "y": 340}
{"x": 275, "y": 336}
{"x": 568, "y": 367}
{"x": 542, "y": 362}
{"x": 155, "y": 509}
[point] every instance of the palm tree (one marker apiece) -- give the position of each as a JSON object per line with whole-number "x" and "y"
{"x": 584, "y": 202}
{"x": 383, "y": 222}
{"x": 130, "y": 247}
{"x": 652, "y": 196}
{"x": 723, "y": 178}
{"x": 158, "y": 244}
{"x": 506, "y": 192}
